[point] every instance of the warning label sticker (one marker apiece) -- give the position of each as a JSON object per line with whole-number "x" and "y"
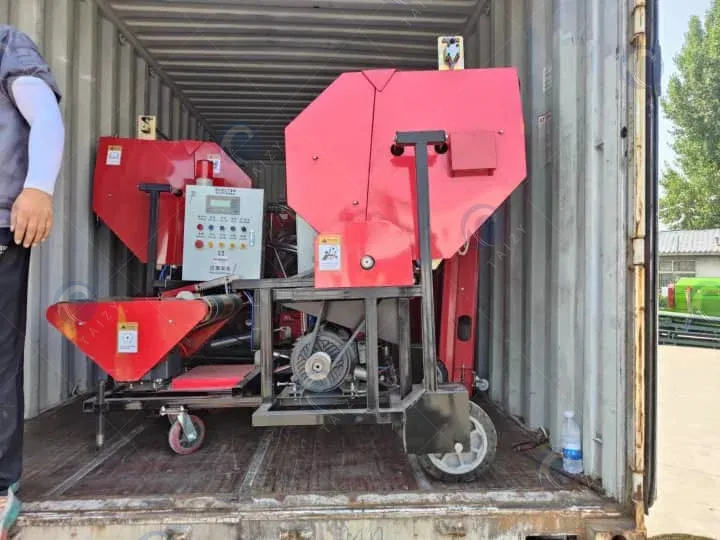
{"x": 114, "y": 155}
{"x": 127, "y": 342}
{"x": 215, "y": 158}
{"x": 329, "y": 253}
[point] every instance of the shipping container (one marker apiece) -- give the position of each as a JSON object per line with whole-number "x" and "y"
{"x": 566, "y": 307}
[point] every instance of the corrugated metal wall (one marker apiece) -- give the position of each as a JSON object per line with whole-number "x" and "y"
{"x": 553, "y": 328}
{"x": 106, "y": 84}
{"x": 270, "y": 176}
{"x": 553, "y": 304}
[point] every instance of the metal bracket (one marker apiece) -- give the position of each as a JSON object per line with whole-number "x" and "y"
{"x": 180, "y": 414}
{"x": 187, "y": 426}
{"x": 638, "y": 251}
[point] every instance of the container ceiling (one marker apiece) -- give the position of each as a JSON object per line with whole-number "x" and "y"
{"x": 250, "y": 66}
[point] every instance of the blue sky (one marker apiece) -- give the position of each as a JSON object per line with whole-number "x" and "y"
{"x": 674, "y": 18}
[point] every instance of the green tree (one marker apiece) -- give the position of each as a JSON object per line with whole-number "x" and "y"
{"x": 691, "y": 190}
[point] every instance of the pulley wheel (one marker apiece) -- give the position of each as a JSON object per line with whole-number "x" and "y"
{"x": 317, "y": 369}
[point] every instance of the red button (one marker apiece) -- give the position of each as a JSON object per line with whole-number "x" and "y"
{"x": 199, "y": 227}
{"x": 198, "y": 244}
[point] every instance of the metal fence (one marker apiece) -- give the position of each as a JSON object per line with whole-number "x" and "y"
{"x": 689, "y": 330}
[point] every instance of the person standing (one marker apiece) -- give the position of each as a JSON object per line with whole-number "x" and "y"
{"x": 32, "y": 137}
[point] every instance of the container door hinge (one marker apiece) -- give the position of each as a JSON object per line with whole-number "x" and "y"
{"x": 638, "y": 252}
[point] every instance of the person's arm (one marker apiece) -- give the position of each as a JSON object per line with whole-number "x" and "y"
{"x": 37, "y": 103}
{"x": 32, "y": 211}
{"x": 32, "y": 215}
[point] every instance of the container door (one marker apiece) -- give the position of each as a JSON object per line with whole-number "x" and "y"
{"x": 654, "y": 86}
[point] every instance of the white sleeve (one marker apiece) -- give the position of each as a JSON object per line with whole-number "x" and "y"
{"x": 38, "y": 104}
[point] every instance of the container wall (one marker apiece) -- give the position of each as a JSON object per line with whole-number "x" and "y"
{"x": 270, "y": 176}
{"x": 106, "y": 84}
{"x": 553, "y": 298}
{"x": 552, "y": 328}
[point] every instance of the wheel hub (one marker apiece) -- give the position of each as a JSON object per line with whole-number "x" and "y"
{"x": 460, "y": 461}
{"x": 318, "y": 366}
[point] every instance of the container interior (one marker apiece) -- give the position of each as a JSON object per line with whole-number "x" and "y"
{"x": 553, "y": 322}
{"x": 238, "y": 461}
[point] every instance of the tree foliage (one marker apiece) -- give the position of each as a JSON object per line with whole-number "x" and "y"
{"x": 691, "y": 198}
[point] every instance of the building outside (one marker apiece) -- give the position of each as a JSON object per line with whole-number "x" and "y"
{"x": 688, "y": 254}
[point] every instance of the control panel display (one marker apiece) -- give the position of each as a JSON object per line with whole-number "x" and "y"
{"x": 223, "y": 233}
{"x": 222, "y": 205}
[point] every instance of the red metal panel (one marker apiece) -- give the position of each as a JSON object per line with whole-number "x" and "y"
{"x": 327, "y": 153}
{"x": 350, "y": 242}
{"x": 335, "y": 176}
{"x": 207, "y": 378}
{"x": 473, "y": 153}
{"x": 448, "y": 313}
{"x": 93, "y": 327}
{"x": 194, "y": 341}
{"x": 123, "y": 164}
{"x": 459, "y": 299}
{"x": 470, "y": 100}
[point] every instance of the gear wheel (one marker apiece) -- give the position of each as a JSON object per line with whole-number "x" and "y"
{"x": 315, "y": 369}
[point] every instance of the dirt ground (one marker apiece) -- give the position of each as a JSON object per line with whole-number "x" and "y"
{"x": 688, "y": 443}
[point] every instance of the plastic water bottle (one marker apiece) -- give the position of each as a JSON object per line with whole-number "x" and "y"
{"x": 571, "y": 445}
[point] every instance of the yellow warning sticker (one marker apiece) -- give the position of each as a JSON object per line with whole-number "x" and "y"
{"x": 329, "y": 251}
{"x": 127, "y": 342}
{"x": 333, "y": 239}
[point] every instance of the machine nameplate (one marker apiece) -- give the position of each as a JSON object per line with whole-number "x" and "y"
{"x": 127, "y": 335}
{"x": 329, "y": 253}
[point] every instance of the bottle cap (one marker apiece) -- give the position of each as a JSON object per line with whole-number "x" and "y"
{"x": 569, "y": 414}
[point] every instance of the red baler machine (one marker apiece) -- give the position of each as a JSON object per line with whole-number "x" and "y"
{"x": 395, "y": 172}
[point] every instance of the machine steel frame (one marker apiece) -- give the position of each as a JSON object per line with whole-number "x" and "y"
{"x": 433, "y": 418}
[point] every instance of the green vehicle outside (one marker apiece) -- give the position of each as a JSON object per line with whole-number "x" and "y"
{"x": 699, "y": 296}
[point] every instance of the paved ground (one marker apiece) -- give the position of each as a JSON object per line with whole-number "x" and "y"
{"x": 688, "y": 443}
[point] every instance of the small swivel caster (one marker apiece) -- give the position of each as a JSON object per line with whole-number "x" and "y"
{"x": 186, "y": 434}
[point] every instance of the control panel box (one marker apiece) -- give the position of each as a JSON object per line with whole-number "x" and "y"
{"x": 223, "y": 233}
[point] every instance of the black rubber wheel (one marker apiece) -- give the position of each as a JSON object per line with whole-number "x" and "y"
{"x": 178, "y": 440}
{"x": 468, "y": 466}
{"x": 442, "y": 373}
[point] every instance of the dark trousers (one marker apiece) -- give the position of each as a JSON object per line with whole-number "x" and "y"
{"x": 14, "y": 268}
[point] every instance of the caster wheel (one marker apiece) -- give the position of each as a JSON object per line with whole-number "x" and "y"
{"x": 468, "y": 465}
{"x": 441, "y": 373}
{"x": 178, "y": 440}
